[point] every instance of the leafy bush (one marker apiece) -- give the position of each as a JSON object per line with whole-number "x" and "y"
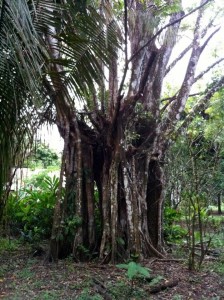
{"x": 42, "y": 157}
{"x": 172, "y": 231}
{"x": 36, "y": 180}
{"x": 30, "y": 210}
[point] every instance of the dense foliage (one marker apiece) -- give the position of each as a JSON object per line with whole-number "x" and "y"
{"x": 42, "y": 157}
{"x": 29, "y": 211}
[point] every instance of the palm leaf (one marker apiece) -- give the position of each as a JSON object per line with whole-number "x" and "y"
{"x": 84, "y": 41}
{"x": 21, "y": 61}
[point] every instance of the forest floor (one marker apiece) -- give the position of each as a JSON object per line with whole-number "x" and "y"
{"x": 23, "y": 276}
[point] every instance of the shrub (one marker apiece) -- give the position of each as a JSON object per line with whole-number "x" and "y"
{"x": 172, "y": 231}
{"x": 30, "y": 210}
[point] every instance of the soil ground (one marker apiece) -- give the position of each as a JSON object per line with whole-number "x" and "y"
{"x": 23, "y": 276}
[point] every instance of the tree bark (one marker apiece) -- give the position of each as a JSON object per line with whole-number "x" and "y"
{"x": 219, "y": 202}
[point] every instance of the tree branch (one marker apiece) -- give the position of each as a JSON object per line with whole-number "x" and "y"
{"x": 209, "y": 25}
{"x": 203, "y": 33}
{"x": 208, "y": 69}
{"x": 119, "y": 95}
{"x": 177, "y": 107}
{"x": 153, "y": 38}
{"x": 166, "y": 26}
{"x": 171, "y": 99}
{"x": 209, "y": 38}
{"x": 131, "y": 101}
{"x": 146, "y": 72}
{"x": 91, "y": 118}
{"x": 202, "y": 103}
{"x": 125, "y": 49}
{"x": 170, "y": 67}
{"x": 125, "y": 31}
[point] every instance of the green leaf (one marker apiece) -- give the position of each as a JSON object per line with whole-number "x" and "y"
{"x": 19, "y": 214}
{"x": 132, "y": 270}
{"x": 25, "y": 209}
{"x": 143, "y": 271}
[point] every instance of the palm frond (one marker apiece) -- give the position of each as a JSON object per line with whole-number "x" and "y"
{"x": 21, "y": 61}
{"x": 83, "y": 41}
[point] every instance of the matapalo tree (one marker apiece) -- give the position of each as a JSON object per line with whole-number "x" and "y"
{"x": 116, "y": 142}
{"x": 98, "y": 71}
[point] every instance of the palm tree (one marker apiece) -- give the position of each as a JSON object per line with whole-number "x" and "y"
{"x": 46, "y": 47}
{"x": 20, "y": 72}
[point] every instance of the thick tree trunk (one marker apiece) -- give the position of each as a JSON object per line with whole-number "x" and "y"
{"x": 125, "y": 219}
{"x": 155, "y": 203}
